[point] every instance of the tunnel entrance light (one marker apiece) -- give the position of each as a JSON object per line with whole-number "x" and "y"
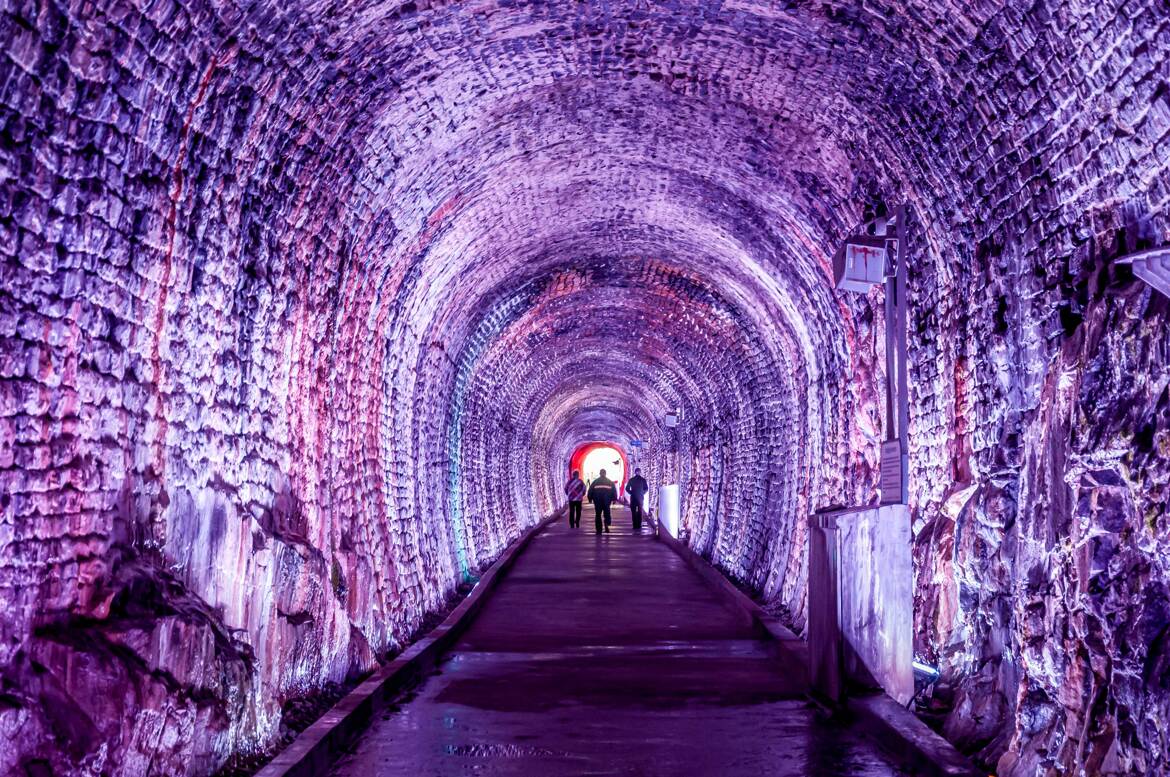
{"x": 1152, "y": 266}
{"x": 608, "y": 458}
{"x": 866, "y": 259}
{"x": 590, "y": 458}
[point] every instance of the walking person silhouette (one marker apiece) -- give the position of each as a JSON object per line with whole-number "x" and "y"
{"x": 637, "y": 488}
{"x": 602, "y": 493}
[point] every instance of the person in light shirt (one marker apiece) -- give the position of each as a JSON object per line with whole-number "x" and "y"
{"x": 575, "y": 490}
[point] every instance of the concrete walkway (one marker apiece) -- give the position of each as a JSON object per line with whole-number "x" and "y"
{"x": 608, "y": 655}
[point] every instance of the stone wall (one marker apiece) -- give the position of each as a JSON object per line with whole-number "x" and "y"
{"x": 305, "y": 307}
{"x": 1039, "y": 391}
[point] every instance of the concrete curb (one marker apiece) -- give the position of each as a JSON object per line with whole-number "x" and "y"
{"x": 897, "y": 730}
{"x": 752, "y": 613}
{"x": 907, "y": 738}
{"x": 318, "y": 746}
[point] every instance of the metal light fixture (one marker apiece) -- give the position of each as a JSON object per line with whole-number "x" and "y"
{"x": 926, "y": 670}
{"x": 860, "y": 263}
{"x": 878, "y": 255}
{"x": 1152, "y": 266}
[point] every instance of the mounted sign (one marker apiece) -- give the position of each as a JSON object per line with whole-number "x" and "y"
{"x": 636, "y": 443}
{"x": 860, "y": 263}
{"x": 893, "y": 473}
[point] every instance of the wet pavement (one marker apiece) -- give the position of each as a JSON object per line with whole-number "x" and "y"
{"x": 609, "y": 656}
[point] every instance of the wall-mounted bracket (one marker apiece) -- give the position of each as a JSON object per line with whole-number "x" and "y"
{"x": 1152, "y": 266}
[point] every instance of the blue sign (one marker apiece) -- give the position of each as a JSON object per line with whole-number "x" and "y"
{"x": 635, "y": 443}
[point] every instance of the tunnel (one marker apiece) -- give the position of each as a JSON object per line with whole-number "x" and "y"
{"x": 590, "y": 458}
{"x": 306, "y": 306}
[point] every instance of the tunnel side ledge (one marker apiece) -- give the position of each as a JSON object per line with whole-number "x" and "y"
{"x": 317, "y": 747}
{"x": 877, "y": 714}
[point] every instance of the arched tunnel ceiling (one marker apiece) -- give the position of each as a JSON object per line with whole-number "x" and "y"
{"x": 306, "y": 305}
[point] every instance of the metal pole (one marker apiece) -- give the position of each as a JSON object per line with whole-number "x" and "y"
{"x": 892, "y": 403}
{"x": 900, "y": 327}
{"x": 895, "y": 462}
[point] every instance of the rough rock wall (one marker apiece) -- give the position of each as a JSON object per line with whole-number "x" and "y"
{"x": 164, "y": 579}
{"x": 296, "y": 296}
{"x": 190, "y": 464}
{"x": 1039, "y": 383}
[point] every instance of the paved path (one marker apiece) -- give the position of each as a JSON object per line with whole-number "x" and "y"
{"x": 608, "y": 655}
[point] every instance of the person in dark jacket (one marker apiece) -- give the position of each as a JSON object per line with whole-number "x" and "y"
{"x": 637, "y": 488}
{"x": 575, "y": 490}
{"x": 602, "y": 493}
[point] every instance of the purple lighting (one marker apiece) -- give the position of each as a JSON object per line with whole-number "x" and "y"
{"x": 304, "y": 307}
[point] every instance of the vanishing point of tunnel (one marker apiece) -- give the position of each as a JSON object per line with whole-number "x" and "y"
{"x": 309, "y": 307}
